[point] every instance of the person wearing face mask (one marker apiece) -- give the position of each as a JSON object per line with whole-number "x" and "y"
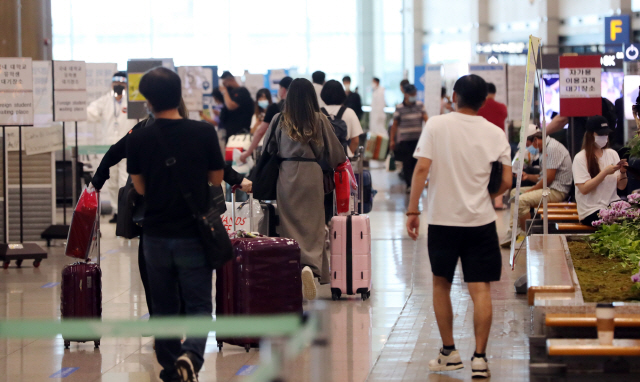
{"x": 598, "y": 171}
{"x": 377, "y": 117}
{"x": 531, "y": 170}
{"x": 110, "y": 112}
{"x": 408, "y": 121}
{"x": 263, "y": 100}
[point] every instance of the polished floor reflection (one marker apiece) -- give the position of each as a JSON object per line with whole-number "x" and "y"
{"x": 391, "y": 336}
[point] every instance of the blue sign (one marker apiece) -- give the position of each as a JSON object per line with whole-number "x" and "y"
{"x": 64, "y": 372}
{"x": 419, "y": 80}
{"x": 617, "y": 30}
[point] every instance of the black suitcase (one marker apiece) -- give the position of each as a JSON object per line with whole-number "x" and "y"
{"x": 269, "y": 224}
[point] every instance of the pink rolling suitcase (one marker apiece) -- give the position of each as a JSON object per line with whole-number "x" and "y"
{"x": 351, "y": 251}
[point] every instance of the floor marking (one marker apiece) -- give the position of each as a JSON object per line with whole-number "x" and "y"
{"x": 64, "y": 372}
{"x": 50, "y": 285}
{"x": 247, "y": 370}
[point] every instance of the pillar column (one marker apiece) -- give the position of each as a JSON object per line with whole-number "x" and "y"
{"x": 25, "y": 29}
{"x": 413, "y": 36}
{"x": 366, "y": 47}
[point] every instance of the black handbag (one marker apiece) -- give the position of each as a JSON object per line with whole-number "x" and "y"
{"x": 495, "y": 179}
{"x": 265, "y": 178}
{"x": 130, "y": 212}
{"x": 213, "y": 234}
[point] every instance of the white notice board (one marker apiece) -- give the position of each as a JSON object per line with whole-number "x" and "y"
{"x": 253, "y": 83}
{"x": 38, "y": 140}
{"x": 432, "y": 89}
{"x": 69, "y": 91}
{"x": 494, "y": 73}
{"x": 516, "y": 81}
{"x": 195, "y": 81}
{"x": 16, "y": 91}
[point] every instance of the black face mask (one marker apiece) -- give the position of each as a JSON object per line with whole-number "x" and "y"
{"x": 118, "y": 89}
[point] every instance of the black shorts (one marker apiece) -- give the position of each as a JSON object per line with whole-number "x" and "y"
{"x": 477, "y": 247}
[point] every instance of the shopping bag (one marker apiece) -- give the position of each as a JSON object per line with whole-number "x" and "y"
{"x": 83, "y": 225}
{"x": 246, "y": 220}
{"x": 241, "y": 142}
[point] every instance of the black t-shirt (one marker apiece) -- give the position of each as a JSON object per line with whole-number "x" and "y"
{"x": 196, "y": 150}
{"x": 272, "y": 110}
{"x": 354, "y": 102}
{"x": 238, "y": 121}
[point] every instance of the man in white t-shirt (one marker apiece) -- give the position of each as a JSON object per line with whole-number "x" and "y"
{"x": 334, "y": 97}
{"x": 457, "y": 151}
{"x": 318, "y": 78}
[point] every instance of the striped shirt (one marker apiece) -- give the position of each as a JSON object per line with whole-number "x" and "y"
{"x": 410, "y": 121}
{"x": 558, "y": 158}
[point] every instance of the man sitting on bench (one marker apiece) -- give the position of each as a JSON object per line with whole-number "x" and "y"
{"x": 558, "y": 180}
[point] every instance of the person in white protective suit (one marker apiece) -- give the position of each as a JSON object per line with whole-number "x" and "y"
{"x": 377, "y": 117}
{"x": 110, "y": 111}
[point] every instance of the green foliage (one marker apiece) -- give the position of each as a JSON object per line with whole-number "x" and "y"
{"x": 634, "y": 146}
{"x": 618, "y": 240}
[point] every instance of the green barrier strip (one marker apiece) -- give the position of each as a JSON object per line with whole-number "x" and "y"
{"x": 165, "y": 327}
{"x": 91, "y": 149}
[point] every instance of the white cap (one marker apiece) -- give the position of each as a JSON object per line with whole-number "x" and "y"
{"x": 531, "y": 129}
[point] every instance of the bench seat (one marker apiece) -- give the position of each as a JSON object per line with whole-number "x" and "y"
{"x": 592, "y": 347}
{"x": 589, "y": 320}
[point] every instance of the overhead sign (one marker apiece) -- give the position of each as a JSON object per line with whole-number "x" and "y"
{"x": 580, "y": 94}
{"x": 632, "y": 53}
{"x": 69, "y": 91}
{"x": 617, "y": 30}
{"x": 16, "y": 91}
{"x": 501, "y": 48}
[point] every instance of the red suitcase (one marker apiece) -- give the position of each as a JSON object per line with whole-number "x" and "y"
{"x": 262, "y": 278}
{"x": 81, "y": 295}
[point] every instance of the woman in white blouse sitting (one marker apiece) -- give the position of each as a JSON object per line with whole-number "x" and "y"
{"x": 598, "y": 171}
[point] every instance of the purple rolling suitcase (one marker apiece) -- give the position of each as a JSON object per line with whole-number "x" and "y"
{"x": 262, "y": 278}
{"x": 81, "y": 295}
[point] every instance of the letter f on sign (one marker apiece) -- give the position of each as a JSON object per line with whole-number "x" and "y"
{"x": 616, "y": 27}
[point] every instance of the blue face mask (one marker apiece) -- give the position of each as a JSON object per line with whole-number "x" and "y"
{"x": 263, "y": 103}
{"x": 532, "y": 150}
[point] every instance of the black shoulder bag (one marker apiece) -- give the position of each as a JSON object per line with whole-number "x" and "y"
{"x": 495, "y": 179}
{"x": 265, "y": 178}
{"x": 213, "y": 234}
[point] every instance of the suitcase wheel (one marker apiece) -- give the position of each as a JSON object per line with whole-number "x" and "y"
{"x": 18, "y": 263}
{"x": 219, "y": 346}
{"x": 36, "y": 263}
{"x": 67, "y": 344}
{"x": 365, "y": 295}
{"x": 96, "y": 344}
{"x": 5, "y": 265}
{"x": 247, "y": 347}
{"x": 335, "y": 294}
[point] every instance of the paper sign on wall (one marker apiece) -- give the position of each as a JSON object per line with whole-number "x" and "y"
{"x": 16, "y": 91}
{"x": 433, "y": 89}
{"x": 253, "y": 83}
{"x": 580, "y": 94}
{"x": 39, "y": 140}
{"x": 69, "y": 91}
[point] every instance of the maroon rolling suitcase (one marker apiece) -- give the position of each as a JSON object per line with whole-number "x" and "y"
{"x": 81, "y": 295}
{"x": 262, "y": 278}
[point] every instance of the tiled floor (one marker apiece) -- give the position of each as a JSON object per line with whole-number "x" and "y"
{"x": 389, "y": 337}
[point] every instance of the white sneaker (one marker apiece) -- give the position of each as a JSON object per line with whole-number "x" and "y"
{"x": 446, "y": 362}
{"x": 309, "y": 290}
{"x": 480, "y": 368}
{"x": 184, "y": 367}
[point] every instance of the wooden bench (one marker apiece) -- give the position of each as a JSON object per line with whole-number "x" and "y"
{"x": 591, "y": 347}
{"x": 574, "y": 228}
{"x": 563, "y": 205}
{"x": 589, "y": 320}
{"x": 562, "y": 218}
{"x": 547, "y": 269}
{"x": 558, "y": 211}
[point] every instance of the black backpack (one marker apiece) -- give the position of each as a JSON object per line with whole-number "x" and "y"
{"x": 339, "y": 126}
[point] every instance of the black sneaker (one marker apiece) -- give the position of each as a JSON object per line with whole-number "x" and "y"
{"x": 184, "y": 366}
{"x": 114, "y": 219}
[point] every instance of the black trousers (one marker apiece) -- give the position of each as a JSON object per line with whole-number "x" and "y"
{"x": 404, "y": 152}
{"x": 590, "y": 219}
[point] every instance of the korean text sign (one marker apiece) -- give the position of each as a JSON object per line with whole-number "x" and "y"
{"x": 16, "y": 91}
{"x": 580, "y": 86}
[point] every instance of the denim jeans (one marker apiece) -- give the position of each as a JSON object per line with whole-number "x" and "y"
{"x": 178, "y": 266}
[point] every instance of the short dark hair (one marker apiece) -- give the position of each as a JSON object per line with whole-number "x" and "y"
{"x": 318, "y": 77}
{"x": 162, "y": 88}
{"x": 376, "y": 80}
{"x": 443, "y": 92}
{"x": 404, "y": 83}
{"x": 226, "y": 74}
{"x": 333, "y": 93}
{"x": 217, "y": 94}
{"x": 537, "y": 134}
{"x": 285, "y": 82}
{"x": 491, "y": 88}
{"x": 409, "y": 89}
{"x": 471, "y": 91}
{"x": 346, "y": 79}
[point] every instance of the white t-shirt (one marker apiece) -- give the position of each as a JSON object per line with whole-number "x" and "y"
{"x": 318, "y": 88}
{"x": 605, "y": 193}
{"x": 462, "y": 148}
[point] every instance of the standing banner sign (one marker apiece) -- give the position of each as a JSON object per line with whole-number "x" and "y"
{"x": 419, "y": 79}
{"x": 494, "y": 73}
{"x": 16, "y": 91}
{"x": 515, "y": 86}
{"x": 532, "y": 57}
{"x": 580, "y": 86}
{"x": 433, "y": 89}
{"x": 69, "y": 91}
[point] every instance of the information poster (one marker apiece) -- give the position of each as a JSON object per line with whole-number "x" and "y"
{"x": 42, "y": 94}
{"x": 16, "y": 91}
{"x": 194, "y": 79}
{"x": 273, "y": 79}
{"x": 516, "y": 81}
{"x": 136, "y": 108}
{"x": 69, "y": 91}
{"x": 419, "y": 80}
{"x": 580, "y": 94}
{"x": 433, "y": 89}
{"x": 253, "y": 83}
{"x": 38, "y": 140}
{"x": 494, "y": 73}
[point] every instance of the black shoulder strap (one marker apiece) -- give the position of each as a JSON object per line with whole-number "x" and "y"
{"x": 343, "y": 108}
{"x": 273, "y": 132}
{"x": 324, "y": 111}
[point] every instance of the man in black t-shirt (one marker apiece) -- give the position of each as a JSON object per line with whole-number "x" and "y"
{"x": 271, "y": 111}
{"x": 173, "y": 251}
{"x": 353, "y": 98}
{"x": 238, "y": 106}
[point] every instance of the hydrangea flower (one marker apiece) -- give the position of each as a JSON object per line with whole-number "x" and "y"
{"x": 636, "y": 278}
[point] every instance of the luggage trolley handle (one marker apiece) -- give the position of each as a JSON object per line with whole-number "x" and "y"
{"x": 359, "y": 160}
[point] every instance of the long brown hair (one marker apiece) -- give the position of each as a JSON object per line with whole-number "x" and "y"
{"x": 589, "y": 147}
{"x": 300, "y": 115}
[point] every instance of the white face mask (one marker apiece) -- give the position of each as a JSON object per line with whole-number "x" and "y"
{"x": 601, "y": 140}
